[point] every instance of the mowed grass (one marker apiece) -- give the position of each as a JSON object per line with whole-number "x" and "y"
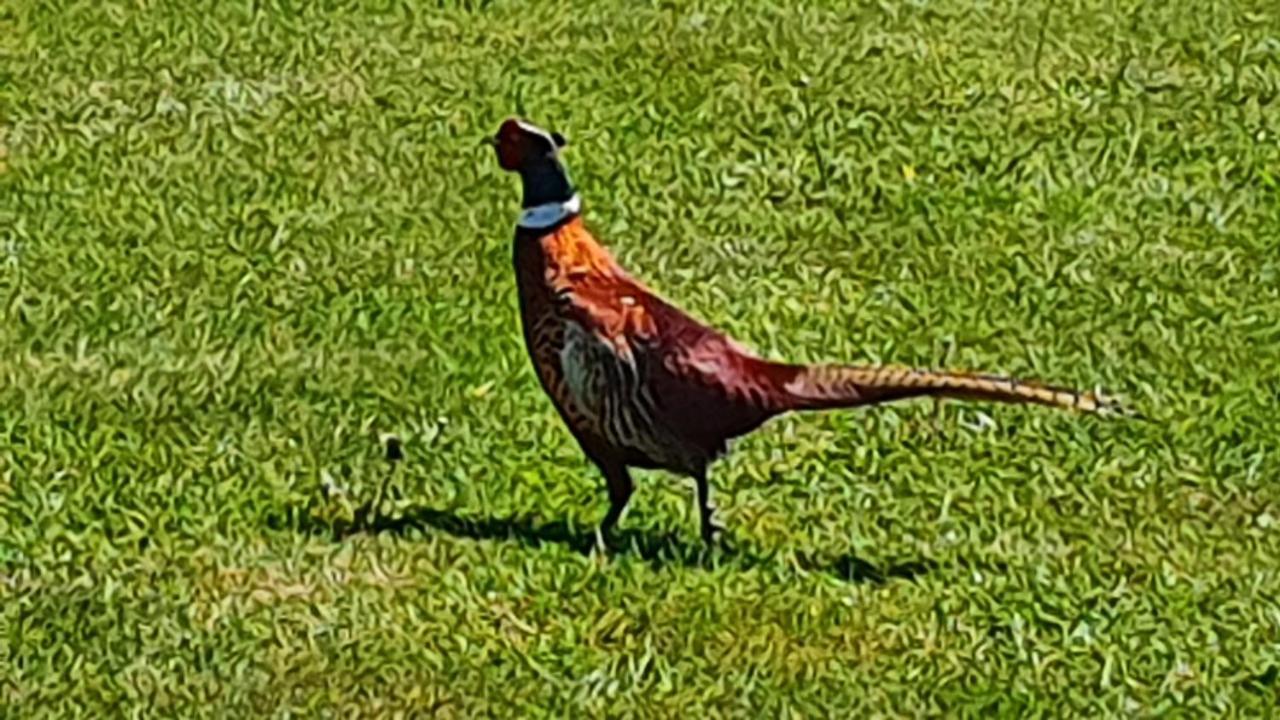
{"x": 240, "y": 242}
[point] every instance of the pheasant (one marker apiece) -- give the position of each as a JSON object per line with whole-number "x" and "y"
{"x": 639, "y": 383}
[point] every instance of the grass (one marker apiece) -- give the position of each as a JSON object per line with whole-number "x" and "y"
{"x": 240, "y": 243}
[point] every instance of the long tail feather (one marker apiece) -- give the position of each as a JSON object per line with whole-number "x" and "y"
{"x": 815, "y": 387}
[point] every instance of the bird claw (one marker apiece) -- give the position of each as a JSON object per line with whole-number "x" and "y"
{"x": 712, "y": 533}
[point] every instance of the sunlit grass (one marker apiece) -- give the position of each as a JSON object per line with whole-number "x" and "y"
{"x": 240, "y": 243}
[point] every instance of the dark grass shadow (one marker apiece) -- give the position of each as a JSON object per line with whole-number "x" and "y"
{"x": 852, "y": 568}
{"x": 659, "y": 549}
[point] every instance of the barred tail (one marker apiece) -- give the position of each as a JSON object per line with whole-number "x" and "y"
{"x": 816, "y": 387}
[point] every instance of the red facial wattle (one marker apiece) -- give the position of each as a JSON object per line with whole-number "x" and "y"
{"x": 510, "y": 144}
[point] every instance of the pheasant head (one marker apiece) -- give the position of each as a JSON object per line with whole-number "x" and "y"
{"x": 534, "y": 153}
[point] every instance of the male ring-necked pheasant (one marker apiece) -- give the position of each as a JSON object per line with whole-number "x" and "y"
{"x": 643, "y": 385}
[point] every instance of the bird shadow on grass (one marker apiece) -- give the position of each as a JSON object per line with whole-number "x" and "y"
{"x": 659, "y": 549}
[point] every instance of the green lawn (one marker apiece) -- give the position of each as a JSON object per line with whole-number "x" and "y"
{"x": 240, "y": 243}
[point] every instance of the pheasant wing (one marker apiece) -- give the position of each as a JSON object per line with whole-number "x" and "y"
{"x": 653, "y": 379}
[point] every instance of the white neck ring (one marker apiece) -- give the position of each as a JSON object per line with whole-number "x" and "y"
{"x": 544, "y": 216}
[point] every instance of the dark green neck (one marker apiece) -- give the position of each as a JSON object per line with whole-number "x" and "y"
{"x": 545, "y": 182}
